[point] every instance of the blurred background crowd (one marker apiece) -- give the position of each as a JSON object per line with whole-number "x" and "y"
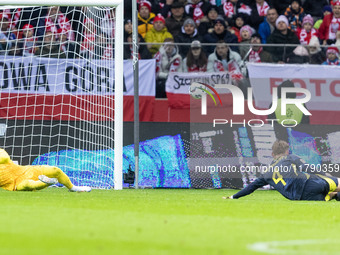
{"x": 182, "y": 36}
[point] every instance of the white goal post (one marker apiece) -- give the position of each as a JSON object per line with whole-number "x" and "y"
{"x": 118, "y": 67}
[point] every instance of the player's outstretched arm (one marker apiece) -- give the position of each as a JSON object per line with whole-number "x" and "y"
{"x": 258, "y": 183}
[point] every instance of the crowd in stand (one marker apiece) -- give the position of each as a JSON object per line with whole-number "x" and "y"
{"x": 184, "y": 35}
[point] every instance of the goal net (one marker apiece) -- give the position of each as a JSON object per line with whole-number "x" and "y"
{"x": 61, "y": 74}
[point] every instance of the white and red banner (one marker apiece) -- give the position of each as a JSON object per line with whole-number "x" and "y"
{"x": 70, "y": 89}
{"x": 322, "y": 81}
{"x": 178, "y": 85}
{"x": 71, "y": 76}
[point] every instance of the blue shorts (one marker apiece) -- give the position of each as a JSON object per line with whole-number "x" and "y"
{"x": 317, "y": 188}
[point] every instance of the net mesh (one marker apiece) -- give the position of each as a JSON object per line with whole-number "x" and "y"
{"x": 57, "y": 89}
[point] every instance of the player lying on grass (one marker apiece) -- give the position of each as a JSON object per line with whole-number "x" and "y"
{"x": 28, "y": 178}
{"x": 288, "y": 176}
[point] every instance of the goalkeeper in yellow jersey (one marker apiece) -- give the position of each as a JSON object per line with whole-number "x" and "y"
{"x": 14, "y": 177}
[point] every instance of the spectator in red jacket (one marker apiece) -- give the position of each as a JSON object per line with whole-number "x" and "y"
{"x": 330, "y": 24}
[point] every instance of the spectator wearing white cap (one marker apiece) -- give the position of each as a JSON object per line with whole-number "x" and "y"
{"x": 332, "y": 54}
{"x": 299, "y": 55}
{"x": 196, "y": 59}
{"x": 282, "y": 35}
{"x": 316, "y": 54}
{"x": 188, "y": 34}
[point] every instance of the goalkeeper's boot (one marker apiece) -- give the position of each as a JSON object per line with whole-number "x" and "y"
{"x": 80, "y": 189}
{"x": 47, "y": 180}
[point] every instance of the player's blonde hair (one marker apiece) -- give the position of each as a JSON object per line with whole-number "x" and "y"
{"x": 279, "y": 147}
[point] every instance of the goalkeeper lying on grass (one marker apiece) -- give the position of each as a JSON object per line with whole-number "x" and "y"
{"x": 27, "y": 178}
{"x": 287, "y": 174}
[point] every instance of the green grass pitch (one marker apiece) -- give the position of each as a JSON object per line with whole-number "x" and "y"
{"x": 54, "y": 221}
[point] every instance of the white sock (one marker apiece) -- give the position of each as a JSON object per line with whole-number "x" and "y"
{"x": 80, "y": 189}
{"x": 47, "y": 180}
